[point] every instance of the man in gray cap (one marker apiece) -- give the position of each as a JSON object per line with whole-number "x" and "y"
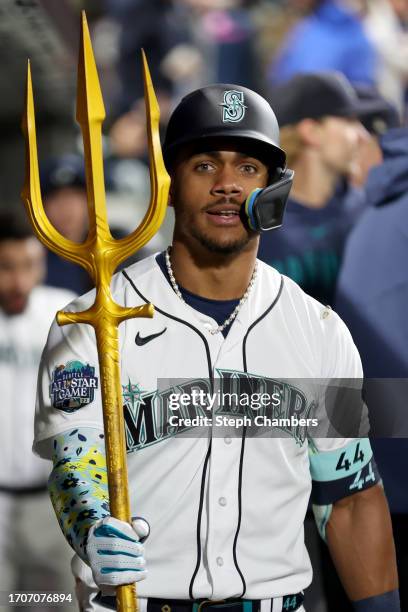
{"x": 321, "y": 133}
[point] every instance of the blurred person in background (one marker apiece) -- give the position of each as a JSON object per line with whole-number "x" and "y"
{"x": 229, "y": 26}
{"x": 372, "y": 299}
{"x": 187, "y": 43}
{"x": 63, "y": 188}
{"x": 127, "y": 187}
{"x": 222, "y": 45}
{"x": 273, "y": 21}
{"x": 156, "y": 26}
{"x": 127, "y": 180}
{"x": 127, "y": 169}
{"x": 386, "y": 23}
{"x": 321, "y": 133}
{"x": 33, "y": 556}
{"x": 332, "y": 37}
{"x": 377, "y": 121}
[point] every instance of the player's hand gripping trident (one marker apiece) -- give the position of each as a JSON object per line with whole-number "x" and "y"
{"x": 100, "y": 255}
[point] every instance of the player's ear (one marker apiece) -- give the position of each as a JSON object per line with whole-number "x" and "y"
{"x": 310, "y": 132}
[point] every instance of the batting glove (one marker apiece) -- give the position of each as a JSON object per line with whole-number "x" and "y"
{"x": 115, "y": 551}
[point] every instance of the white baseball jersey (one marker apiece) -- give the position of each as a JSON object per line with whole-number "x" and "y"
{"x": 22, "y": 339}
{"x": 226, "y": 511}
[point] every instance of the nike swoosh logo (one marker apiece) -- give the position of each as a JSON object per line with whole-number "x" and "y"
{"x": 140, "y": 341}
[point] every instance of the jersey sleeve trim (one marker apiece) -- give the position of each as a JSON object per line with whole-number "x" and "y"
{"x": 329, "y": 492}
{"x": 342, "y": 462}
{"x": 339, "y": 473}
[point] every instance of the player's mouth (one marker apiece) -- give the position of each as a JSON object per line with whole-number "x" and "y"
{"x": 225, "y": 215}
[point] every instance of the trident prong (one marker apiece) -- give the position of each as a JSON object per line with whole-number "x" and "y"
{"x": 31, "y": 193}
{"x": 100, "y": 254}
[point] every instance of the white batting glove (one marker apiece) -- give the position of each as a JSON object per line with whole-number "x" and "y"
{"x": 115, "y": 551}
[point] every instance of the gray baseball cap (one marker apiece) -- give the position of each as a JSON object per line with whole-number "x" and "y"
{"x": 315, "y": 95}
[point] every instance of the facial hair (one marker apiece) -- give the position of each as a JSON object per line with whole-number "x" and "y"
{"x": 221, "y": 249}
{"x": 213, "y": 246}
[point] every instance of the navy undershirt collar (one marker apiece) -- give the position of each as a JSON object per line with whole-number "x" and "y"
{"x": 219, "y": 310}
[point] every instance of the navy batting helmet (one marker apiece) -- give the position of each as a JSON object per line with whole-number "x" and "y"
{"x": 218, "y": 112}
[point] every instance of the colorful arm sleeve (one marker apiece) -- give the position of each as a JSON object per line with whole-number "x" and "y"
{"x": 78, "y": 483}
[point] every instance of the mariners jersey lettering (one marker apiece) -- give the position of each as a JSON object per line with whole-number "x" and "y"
{"x": 247, "y": 498}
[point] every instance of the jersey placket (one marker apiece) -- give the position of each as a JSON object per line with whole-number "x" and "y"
{"x": 221, "y": 516}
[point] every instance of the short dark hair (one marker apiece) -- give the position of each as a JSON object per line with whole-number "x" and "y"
{"x": 14, "y": 226}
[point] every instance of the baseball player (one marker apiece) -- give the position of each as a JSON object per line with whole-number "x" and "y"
{"x": 222, "y": 512}
{"x": 32, "y": 554}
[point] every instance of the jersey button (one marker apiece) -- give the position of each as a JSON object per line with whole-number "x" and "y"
{"x": 227, "y": 440}
{"x": 220, "y": 561}
{"x": 222, "y": 501}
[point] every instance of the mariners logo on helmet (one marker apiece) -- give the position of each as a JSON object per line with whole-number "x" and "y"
{"x": 233, "y": 106}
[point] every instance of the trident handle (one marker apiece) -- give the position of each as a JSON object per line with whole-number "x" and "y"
{"x": 108, "y": 349}
{"x": 100, "y": 255}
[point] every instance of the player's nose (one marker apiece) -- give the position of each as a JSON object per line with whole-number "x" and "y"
{"x": 226, "y": 184}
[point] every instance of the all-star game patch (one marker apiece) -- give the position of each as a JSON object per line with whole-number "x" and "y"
{"x": 73, "y": 386}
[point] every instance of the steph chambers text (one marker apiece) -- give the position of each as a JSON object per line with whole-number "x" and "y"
{"x": 240, "y": 421}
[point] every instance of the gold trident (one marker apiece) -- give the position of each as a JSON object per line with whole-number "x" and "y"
{"x": 100, "y": 255}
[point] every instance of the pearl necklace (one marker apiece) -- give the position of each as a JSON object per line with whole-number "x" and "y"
{"x": 236, "y": 310}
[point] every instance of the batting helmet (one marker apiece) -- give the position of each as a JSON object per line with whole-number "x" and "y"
{"x": 221, "y": 111}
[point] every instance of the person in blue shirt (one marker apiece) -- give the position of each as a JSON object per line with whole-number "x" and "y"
{"x": 372, "y": 298}
{"x": 330, "y": 38}
{"x": 320, "y": 130}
